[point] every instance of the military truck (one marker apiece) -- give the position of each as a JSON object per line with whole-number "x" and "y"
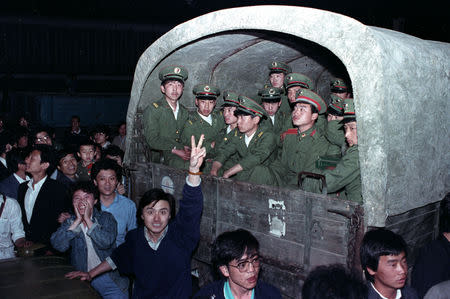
{"x": 401, "y": 90}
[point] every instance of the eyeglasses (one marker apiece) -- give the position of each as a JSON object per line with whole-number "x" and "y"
{"x": 41, "y": 139}
{"x": 244, "y": 266}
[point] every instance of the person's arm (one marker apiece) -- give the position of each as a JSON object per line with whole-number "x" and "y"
{"x": 60, "y": 239}
{"x": 345, "y": 172}
{"x": 15, "y": 221}
{"x": 259, "y": 153}
{"x": 216, "y": 165}
{"x": 101, "y": 268}
{"x": 232, "y": 171}
{"x": 103, "y": 231}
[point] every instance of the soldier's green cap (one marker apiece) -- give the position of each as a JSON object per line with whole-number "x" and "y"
{"x": 230, "y": 99}
{"x": 206, "y": 91}
{"x": 297, "y": 79}
{"x": 279, "y": 67}
{"x": 349, "y": 110}
{"x": 173, "y": 73}
{"x": 310, "y": 97}
{"x": 270, "y": 94}
{"x": 336, "y": 105}
{"x": 338, "y": 85}
{"x": 249, "y": 106}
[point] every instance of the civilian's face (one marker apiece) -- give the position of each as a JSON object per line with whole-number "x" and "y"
{"x": 156, "y": 217}
{"x": 83, "y": 201}
{"x": 33, "y": 162}
{"x": 277, "y": 79}
{"x": 391, "y": 273}
{"x": 87, "y": 153}
{"x": 23, "y": 122}
{"x": 22, "y": 142}
{"x": 123, "y": 130}
{"x": 245, "y": 280}
{"x": 75, "y": 123}
{"x": 228, "y": 115}
{"x": 351, "y": 133}
{"x": 100, "y": 138}
{"x": 106, "y": 181}
{"x": 68, "y": 165}
{"x": 205, "y": 107}
{"x": 43, "y": 138}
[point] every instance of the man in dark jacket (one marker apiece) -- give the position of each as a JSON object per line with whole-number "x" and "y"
{"x": 236, "y": 256}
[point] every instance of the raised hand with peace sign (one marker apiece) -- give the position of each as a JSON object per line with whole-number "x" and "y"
{"x": 198, "y": 154}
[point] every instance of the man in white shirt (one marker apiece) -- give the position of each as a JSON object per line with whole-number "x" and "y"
{"x": 11, "y": 227}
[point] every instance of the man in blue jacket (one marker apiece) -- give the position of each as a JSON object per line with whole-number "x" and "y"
{"x": 236, "y": 256}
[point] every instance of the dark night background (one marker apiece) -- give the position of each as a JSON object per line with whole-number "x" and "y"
{"x": 71, "y": 49}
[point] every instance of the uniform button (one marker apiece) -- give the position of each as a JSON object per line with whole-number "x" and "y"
{"x": 176, "y": 132}
{"x": 177, "y": 140}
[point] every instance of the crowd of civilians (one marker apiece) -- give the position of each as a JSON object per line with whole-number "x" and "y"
{"x": 56, "y": 196}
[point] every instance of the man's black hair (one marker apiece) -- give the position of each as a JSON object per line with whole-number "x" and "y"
{"x": 47, "y": 154}
{"x": 19, "y": 133}
{"x": 45, "y": 129}
{"x": 113, "y": 150}
{"x": 376, "y": 243}
{"x": 106, "y": 164}
{"x": 444, "y": 215}
{"x": 232, "y": 245}
{"x": 15, "y": 157}
{"x": 171, "y": 79}
{"x": 152, "y": 196}
{"x": 87, "y": 187}
{"x": 101, "y": 129}
{"x": 86, "y": 141}
{"x": 333, "y": 282}
{"x": 75, "y": 116}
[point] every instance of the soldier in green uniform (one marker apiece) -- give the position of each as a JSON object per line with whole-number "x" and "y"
{"x": 271, "y": 102}
{"x": 335, "y": 132}
{"x": 339, "y": 88}
{"x": 294, "y": 82}
{"x": 303, "y": 145}
{"x": 347, "y": 173}
{"x": 255, "y": 147}
{"x": 164, "y": 119}
{"x": 204, "y": 121}
{"x": 277, "y": 73}
{"x": 230, "y": 131}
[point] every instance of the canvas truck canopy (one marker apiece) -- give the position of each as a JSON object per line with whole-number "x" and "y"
{"x": 400, "y": 86}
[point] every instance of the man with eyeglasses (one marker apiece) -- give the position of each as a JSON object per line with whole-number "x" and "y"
{"x": 235, "y": 254}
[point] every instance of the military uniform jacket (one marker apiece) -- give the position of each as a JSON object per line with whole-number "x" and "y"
{"x": 282, "y": 122}
{"x": 346, "y": 175}
{"x": 223, "y": 140}
{"x": 335, "y": 132}
{"x": 196, "y": 126}
{"x": 299, "y": 153}
{"x": 161, "y": 130}
{"x": 260, "y": 151}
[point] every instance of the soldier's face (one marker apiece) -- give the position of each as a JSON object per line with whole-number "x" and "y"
{"x": 302, "y": 115}
{"x": 247, "y": 124}
{"x": 331, "y": 117}
{"x": 276, "y": 79}
{"x": 342, "y": 95}
{"x": 291, "y": 93}
{"x": 172, "y": 90}
{"x": 205, "y": 107}
{"x": 351, "y": 133}
{"x": 271, "y": 108}
{"x": 228, "y": 115}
